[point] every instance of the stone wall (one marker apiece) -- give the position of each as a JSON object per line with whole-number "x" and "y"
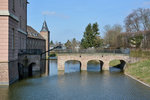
{"x": 8, "y": 72}
{"x": 3, "y": 4}
{"x": 46, "y": 37}
{"x": 4, "y": 78}
{"x": 13, "y": 71}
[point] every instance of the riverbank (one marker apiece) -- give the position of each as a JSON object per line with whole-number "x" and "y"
{"x": 138, "y": 80}
{"x": 139, "y": 71}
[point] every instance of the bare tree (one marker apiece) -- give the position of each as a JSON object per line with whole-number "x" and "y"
{"x": 138, "y": 20}
{"x": 145, "y": 18}
{"x": 111, "y": 34}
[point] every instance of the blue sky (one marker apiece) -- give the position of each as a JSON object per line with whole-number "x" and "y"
{"x": 67, "y": 19}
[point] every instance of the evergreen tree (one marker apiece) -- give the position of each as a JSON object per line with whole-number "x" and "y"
{"x": 74, "y": 43}
{"x": 91, "y": 37}
{"x": 51, "y": 43}
{"x": 68, "y": 45}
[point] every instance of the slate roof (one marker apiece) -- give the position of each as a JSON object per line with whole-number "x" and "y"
{"x": 32, "y": 33}
{"x": 44, "y": 27}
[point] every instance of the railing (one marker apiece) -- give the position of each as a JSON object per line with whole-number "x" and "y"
{"x": 30, "y": 51}
{"x": 115, "y": 51}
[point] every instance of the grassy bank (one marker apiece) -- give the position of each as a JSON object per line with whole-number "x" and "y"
{"x": 140, "y": 70}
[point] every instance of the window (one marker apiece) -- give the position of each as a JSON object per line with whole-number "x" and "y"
{"x": 13, "y": 5}
{"x": 24, "y": 44}
{"x": 20, "y": 3}
{"x": 13, "y": 38}
{"x": 20, "y": 42}
{"x": 23, "y": 4}
{"x": 20, "y": 22}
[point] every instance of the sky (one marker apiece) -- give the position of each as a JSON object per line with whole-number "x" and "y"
{"x": 67, "y": 19}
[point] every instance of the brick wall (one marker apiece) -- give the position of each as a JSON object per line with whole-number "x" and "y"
{"x": 3, "y": 39}
{"x": 8, "y": 26}
{"x": 46, "y": 37}
{"x": 4, "y": 74}
{"x": 3, "y": 4}
{"x": 20, "y": 11}
{"x": 13, "y": 71}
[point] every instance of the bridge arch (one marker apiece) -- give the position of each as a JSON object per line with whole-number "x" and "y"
{"x": 95, "y": 62}
{"x": 30, "y": 68}
{"x": 72, "y": 65}
{"x": 118, "y": 64}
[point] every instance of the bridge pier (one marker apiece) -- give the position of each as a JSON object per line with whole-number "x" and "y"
{"x": 61, "y": 65}
{"x": 83, "y": 66}
{"x": 105, "y": 66}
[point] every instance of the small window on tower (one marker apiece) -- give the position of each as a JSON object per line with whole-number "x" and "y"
{"x": 20, "y": 22}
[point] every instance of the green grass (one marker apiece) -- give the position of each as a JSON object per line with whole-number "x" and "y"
{"x": 140, "y": 53}
{"x": 114, "y": 63}
{"x": 140, "y": 70}
{"x": 94, "y": 62}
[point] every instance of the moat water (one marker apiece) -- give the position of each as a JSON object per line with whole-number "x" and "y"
{"x": 75, "y": 85}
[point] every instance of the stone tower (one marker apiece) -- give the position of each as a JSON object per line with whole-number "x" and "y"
{"x": 46, "y": 35}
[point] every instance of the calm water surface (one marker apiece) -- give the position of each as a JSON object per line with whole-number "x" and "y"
{"x": 76, "y": 85}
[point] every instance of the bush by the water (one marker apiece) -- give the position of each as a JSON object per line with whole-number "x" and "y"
{"x": 53, "y": 55}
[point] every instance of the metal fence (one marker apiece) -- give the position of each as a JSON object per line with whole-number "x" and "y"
{"x": 115, "y": 51}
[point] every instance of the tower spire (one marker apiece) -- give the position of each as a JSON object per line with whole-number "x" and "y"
{"x": 44, "y": 27}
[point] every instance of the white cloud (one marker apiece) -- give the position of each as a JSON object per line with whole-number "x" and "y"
{"x": 49, "y": 13}
{"x": 53, "y": 13}
{"x": 146, "y": 3}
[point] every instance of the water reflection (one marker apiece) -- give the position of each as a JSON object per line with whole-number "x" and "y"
{"x": 72, "y": 66}
{"x": 53, "y": 68}
{"x": 4, "y": 92}
{"x": 94, "y": 65}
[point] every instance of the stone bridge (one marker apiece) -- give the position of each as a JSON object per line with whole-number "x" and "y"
{"x": 85, "y": 58}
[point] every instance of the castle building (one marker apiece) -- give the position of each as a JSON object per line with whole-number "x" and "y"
{"x": 15, "y": 36}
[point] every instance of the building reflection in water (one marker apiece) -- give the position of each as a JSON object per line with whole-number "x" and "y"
{"x": 4, "y": 90}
